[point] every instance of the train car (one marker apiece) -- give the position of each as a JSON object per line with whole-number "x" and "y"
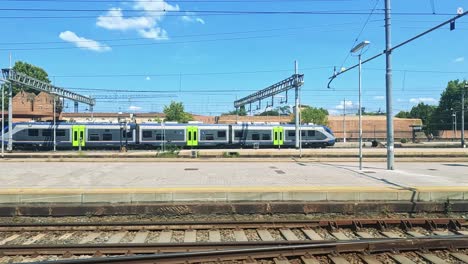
{"x": 281, "y": 135}
{"x": 69, "y": 135}
{"x": 190, "y": 135}
{"x": 151, "y": 135}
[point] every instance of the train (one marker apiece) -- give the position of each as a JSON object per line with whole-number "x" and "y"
{"x": 155, "y": 135}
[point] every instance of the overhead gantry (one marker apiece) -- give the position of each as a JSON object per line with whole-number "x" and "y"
{"x": 13, "y": 77}
{"x": 293, "y": 82}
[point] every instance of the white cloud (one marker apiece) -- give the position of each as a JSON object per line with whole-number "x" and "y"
{"x": 459, "y": 59}
{"x": 83, "y": 43}
{"x": 146, "y": 25}
{"x": 148, "y": 78}
{"x": 191, "y": 18}
{"x": 426, "y": 100}
{"x": 134, "y": 108}
{"x": 348, "y": 104}
{"x": 379, "y": 97}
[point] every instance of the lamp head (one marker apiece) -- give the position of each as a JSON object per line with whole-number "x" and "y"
{"x": 360, "y": 46}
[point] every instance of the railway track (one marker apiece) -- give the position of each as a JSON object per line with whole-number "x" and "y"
{"x": 19, "y": 242}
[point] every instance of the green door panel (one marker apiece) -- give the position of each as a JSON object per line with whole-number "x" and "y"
{"x": 192, "y": 136}
{"x": 278, "y": 136}
{"x": 78, "y": 135}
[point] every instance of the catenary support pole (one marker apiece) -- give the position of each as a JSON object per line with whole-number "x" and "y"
{"x": 55, "y": 124}
{"x": 360, "y": 114}
{"x": 3, "y": 120}
{"x": 463, "y": 115}
{"x": 344, "y": 120}
{"x": 10, "y": 114}
{"x": 296, "y": 89}
{"x": 388, "y": 85}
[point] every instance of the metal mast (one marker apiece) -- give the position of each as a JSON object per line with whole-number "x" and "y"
{"x": 388, "y": 85}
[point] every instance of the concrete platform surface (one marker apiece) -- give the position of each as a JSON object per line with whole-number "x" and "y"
{"x": 93, "y": 182}
{"x": 459, "y": 153}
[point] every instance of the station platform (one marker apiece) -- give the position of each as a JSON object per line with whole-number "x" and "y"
{"x": 147, "y": 182}
{"x": 373, "y": 154}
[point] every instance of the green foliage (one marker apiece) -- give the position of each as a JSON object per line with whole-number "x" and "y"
{"x": 270, "y": 113}
{"x": 314, "y": 115}
{"x": 441, "y": 118}
{"x": 240, "y": 112}
{"x": 403, "y": 114}
{"x": 32, "y": 71}
{"x": 423, "y": 111}
{"x": 231, "y": 154}
{"x": 281, "y": 110}
{"x": 175, "y": 112}
{"x": 404, "y": 140}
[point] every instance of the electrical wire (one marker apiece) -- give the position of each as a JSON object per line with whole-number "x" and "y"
{"x": 360, "y": 33}
{"x": 184, "y": 36}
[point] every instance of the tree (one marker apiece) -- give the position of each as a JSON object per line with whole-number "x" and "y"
{"x": 450, "y": 98}
{"x": 423, "y": 111}
{"x": 240, "y": 112}
{"x": 32, "y": 71}
{"x": 403, "y": 114}
{"x": 314, "y": 115}
{"x": 280, "y": 110}
{"x": 175, "y": 112}
{"x": 274, "y": 112}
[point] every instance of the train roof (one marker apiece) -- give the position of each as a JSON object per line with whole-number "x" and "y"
{"x": 71, "y": 124}
{"x": 165, "y": 124}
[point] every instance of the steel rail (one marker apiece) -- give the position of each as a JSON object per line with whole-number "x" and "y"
{"x": 331, "y": 224}
{"x": 370, "y": 246}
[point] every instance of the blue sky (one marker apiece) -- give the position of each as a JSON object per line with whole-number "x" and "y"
{"x": 207, "y": 60}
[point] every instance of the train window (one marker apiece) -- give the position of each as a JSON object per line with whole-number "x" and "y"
{"x": 222, "y": 134}
{"x": 106, "y": 130}
{"x": 311, "y": 133}
{"x": 319, "y": 135}
{"x": 159, "y": 137}
{"x": 93, "y": 137}
{"x": 174, "y": 134}
{"x": 33, "y": 132}
{"x": 127, "y": 134}
{"x": 60, "y": 132}
{"x": 147, "y": 134}
{"x": 303, "y": 134}
{"x": 47, "y": 132}
{"x": 106, "y": 137}
{"x": 239, "y": 134}
{"x": 291, "y": 133}
{"x": 266, "y": 137}
{"x": 255, "y": 136}
{"x": 209, "y": 137}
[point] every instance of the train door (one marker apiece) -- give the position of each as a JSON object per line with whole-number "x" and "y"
{"x": 78, "y": 135}
{"x": 278, "y": 136}
{"x": 192, "y": 136}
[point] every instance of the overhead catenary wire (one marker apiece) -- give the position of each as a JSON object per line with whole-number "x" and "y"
{"x": 360, "y": 33}
{"x": 187, "y": 36}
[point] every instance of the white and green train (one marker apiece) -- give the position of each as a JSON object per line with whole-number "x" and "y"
{"x": 147, "y": 135}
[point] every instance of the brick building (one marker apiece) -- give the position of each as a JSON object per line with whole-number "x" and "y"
{"x": 31, "y": 107}
{"x": 372, "y": 126}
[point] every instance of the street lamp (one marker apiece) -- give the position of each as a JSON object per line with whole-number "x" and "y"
{"x": 359, "y": 50}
